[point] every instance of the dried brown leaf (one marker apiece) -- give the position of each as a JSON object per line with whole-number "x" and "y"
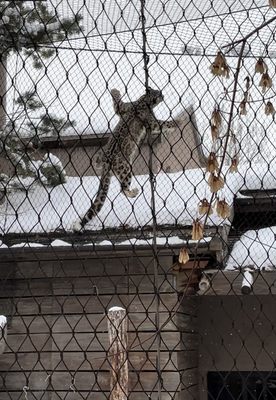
{"x": 215, "y": 182}
{"x": 197, "y": 231}
{"x": 265, "y": 82}
{"x": 220, "y": 67}
{"x": 269, "y": 108}
{"x": 223, "y": 209}
{"x": 260, "y": 67}
{"x": 183, "y": 257}
{"x": 216, "y": 119}
{"x": 234, "y": 165}
{"x": 204, "y": 207}
{"x": 212, "y": 163}
{"x": 272, "y": 3}
{"x": 242, "y": 108}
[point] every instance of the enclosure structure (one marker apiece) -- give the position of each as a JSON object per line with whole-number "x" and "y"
{"x": 189, "y": 152}
{"x": 189, "y": 257}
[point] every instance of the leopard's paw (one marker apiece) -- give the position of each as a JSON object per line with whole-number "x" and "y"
{"x": 131, "y": 193}
{"x": 77, "y": 226}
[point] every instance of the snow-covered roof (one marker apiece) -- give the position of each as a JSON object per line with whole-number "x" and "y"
{"x": 256, "y": 250}
{"x": 43, "y": 209}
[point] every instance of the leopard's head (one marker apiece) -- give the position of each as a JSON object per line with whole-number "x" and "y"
{"x": 153, "y": 97}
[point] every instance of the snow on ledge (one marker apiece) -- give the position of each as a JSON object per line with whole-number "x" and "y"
{"x": 27, "y": 244}
{"x": 256, "y": 249}
{"x": 60, "y": 243}
{"x": 44, "y": 209}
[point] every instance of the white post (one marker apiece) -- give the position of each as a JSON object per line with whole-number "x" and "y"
{"x": 204, "y": 283}
{"x": 247, "y": 281}
{"x": 117, "y": 332}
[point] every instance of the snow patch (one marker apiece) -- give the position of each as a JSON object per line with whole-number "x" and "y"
{"x": 255, "y": 249}
{"x": 29, "y": 244}
{"x": 104, "y": 243}
{"x": 59, "y": 242}
{"x": 116, "y": 308}
{"x": 45, "y": 209}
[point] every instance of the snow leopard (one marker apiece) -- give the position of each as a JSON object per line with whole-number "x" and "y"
{"x": 136, "y": 118}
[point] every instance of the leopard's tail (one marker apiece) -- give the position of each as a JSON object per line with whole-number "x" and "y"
{"x": 98, "y": 202}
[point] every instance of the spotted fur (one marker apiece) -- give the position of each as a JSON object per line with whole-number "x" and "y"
{"x": 117, "y": 156}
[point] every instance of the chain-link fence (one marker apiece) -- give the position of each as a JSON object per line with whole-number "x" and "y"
{"x": 137, "y": 200}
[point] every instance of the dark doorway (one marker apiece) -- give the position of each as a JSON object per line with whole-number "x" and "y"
{"x": 241, "y": 385}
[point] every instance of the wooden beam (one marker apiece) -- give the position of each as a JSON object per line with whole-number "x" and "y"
{"x": 76, "y": 140}
{"x": 262, "y": 202}
{"x": 258, "y": 193}
{"x": 84, "y": 141}
{"x": 212, "y": 243}
{"x": 117, "y": 332}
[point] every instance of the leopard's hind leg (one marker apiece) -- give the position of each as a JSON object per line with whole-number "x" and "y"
{"x": 124, "y": 175}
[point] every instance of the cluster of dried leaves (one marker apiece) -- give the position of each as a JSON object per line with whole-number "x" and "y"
{"x": 221, "y": 69}
{"x": 215, "y": 180}
{"x": 265, "y": 83}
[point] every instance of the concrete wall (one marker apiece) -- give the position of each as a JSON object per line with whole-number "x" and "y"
{"x": 171, "y": 153}
{"x": 174, "y": 151}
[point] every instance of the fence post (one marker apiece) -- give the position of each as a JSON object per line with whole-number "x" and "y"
{"x": 187, "y": 323}
{"x": 3, "y": 333}
{"x": 117, "y": 332}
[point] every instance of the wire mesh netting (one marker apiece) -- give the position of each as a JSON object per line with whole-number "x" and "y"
{"x": 137, "y": 199}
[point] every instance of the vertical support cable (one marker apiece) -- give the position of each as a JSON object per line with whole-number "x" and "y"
{"x": 3, "y": 91}
{"x": 153, "y": 209}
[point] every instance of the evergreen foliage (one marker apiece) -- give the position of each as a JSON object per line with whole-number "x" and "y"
{"x": 28, "y": 27}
